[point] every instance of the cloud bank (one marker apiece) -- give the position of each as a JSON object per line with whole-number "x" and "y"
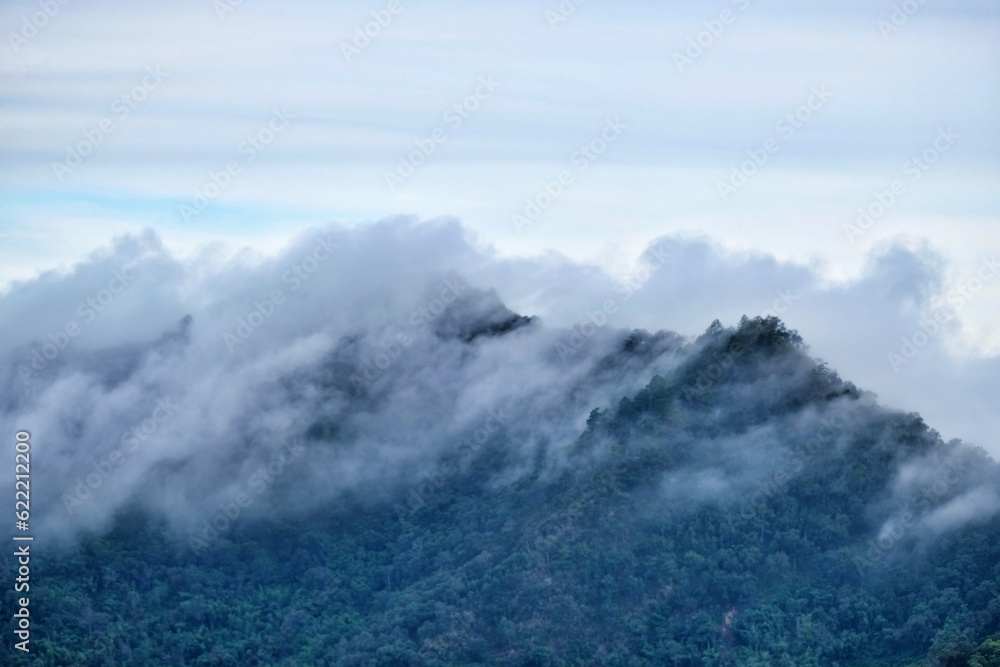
{"x": 348, "y": 366}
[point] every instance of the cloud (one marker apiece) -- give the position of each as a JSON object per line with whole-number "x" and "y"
{"x": 347, "y": 366}
{"x": 175, "y": 383}
{"x": 893, "y": 329}
{"x": 970, "y": 506}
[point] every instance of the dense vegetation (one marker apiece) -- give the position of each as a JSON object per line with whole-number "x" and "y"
{"x": 747, "y": 508}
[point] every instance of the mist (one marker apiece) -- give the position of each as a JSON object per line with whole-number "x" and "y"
{"x": 361, "y": 364}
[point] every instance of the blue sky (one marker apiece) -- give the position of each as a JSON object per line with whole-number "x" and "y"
{"x": 176, "y": 93}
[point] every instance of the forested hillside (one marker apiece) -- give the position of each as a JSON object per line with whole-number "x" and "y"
{"x": 746, "y": 507}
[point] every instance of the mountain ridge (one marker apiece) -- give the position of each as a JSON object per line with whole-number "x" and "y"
{"x": 745, "y": 506}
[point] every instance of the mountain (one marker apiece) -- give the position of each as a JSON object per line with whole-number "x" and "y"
{"x": 727, "y": 500}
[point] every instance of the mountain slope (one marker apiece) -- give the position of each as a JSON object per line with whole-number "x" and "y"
{"x": 745, "y": 506}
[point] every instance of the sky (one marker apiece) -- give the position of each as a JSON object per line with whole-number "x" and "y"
{"x": 845, "y": 155}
